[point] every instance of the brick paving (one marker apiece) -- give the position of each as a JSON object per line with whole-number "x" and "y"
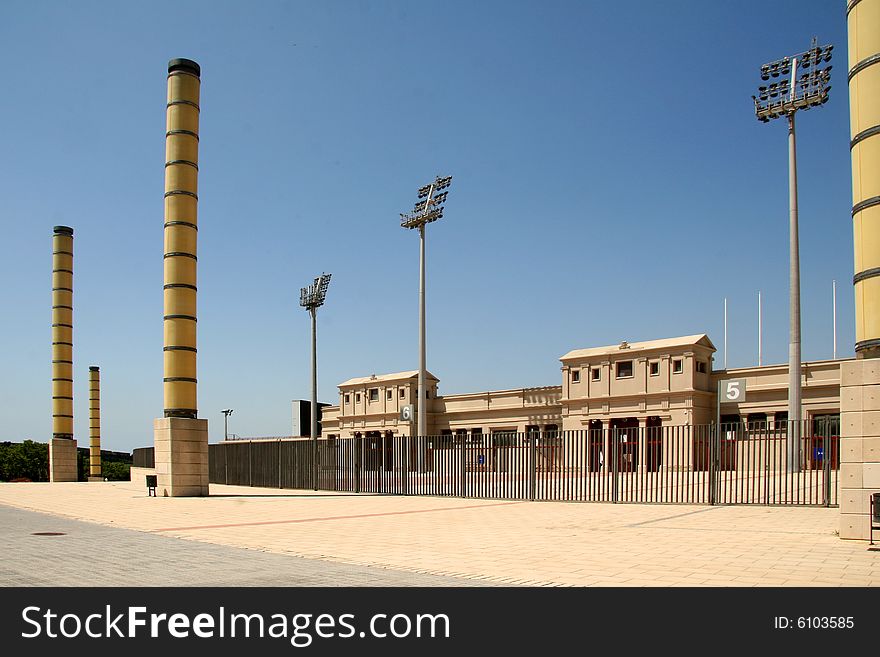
{"x": 491, "y": 542}
{"x": 88, "y": 554}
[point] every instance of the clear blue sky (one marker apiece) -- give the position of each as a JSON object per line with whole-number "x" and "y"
{"x": 610, "y": 183}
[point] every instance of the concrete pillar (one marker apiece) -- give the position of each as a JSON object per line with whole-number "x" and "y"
{"x": 860, "y": 379}
{"x": 62, "y": 448}
{"x": 181, "y": 440}
{"x": 95, "y": 424}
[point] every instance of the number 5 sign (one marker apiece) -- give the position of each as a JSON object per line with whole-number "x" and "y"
{"x": 731, "y": 390}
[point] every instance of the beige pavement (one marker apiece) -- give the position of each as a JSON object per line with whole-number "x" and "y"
{"x": 504, "y": 542}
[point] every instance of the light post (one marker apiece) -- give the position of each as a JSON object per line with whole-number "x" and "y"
{"x": 776, "y": 100}
{"x": 226, "y": 413}
{"x": 427, "y": 209}
{"x": 311, "y": 298}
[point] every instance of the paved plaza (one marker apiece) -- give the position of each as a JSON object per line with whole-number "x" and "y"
{"x": 253, "y": 536}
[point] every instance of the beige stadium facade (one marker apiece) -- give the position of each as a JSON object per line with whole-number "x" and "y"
{"x": 667, "y": 382}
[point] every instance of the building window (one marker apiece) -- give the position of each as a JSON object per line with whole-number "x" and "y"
{"x": 756, "y": 421}
{"x": 575, "y": 376}
{"x": 374, "y": 394}
{"x": 402, "y": 393}
{"x": 597, "y": 374}
{"x": 347, "y": 399}
{"x": 357, "y": 398}
{"x": 654, "y": 368}
{"x": 701, "y": 367}
{"x": 389, "y": 395}
{"x": 780, "y": 420}
{"x": 427, "y": 394}
{"x": 677, "y": 366}
{"x": 624, "y": 369}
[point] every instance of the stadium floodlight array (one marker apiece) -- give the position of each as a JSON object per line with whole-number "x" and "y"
{"x": 429, "y": 207}
{"x": 807, "y": 87}
{"x": 313, "y": 296}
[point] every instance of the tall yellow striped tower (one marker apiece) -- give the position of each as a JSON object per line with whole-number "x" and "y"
{"x": 860, "y": 379}
{"x": 62, "y": 448}
{"x": 95, "y": 424}
{"x": 181, "y": 440}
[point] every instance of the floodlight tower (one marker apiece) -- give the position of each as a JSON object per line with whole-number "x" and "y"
{"x": 311, "y": 298}
{"x": 226, "y": 413}
{"x": 775, "y": 100}
{"x": 427, "y": 209}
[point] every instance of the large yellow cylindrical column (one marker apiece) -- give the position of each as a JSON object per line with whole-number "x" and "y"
{"x": 181, "y": 228}
{"x": 863, "y": 27}
{"x": 62, "y": 332}
{"x": 94, "y": 421}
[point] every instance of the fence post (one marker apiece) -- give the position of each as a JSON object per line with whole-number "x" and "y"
{"x": 826, "y": 465}
{"x": 226, "y": 462}
{"x": 357, "y": 464}
{"x": 462, "y": 492}
{"x": 714, "y": 448}
{"x": 404, "y": 441}
{"x": 250, "y": 463}
{"x": 533, "y": 464}
{"x": 613, "y": 434}
{"x": 279, "y": 463}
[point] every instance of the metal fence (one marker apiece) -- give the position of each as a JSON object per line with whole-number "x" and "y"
{"x": 143, "y": 457}
{"x": 739, "y": 464}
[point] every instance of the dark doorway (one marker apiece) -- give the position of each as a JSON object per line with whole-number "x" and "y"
{"x": 597, "y": 445}
{"x": 625, "y": 437}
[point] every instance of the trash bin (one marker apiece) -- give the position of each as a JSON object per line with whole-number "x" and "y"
{"x": 151, "y": 485}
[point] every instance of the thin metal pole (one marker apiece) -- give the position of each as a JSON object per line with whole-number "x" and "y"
{"x": 314, "y": 414}
{"x": 226, "y": 426}
{"x": 834, "y": 314}
{"x": 725, "y": 333}
{"x": 760, "y": 329}
{"x": 794, "y": 346}
{"x": 422, "y": 408}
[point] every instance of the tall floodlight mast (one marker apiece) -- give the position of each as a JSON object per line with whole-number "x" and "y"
{"x": 311, "y": 298}
{"x": 807, "y": 86}
{"x": 427, "y": 209}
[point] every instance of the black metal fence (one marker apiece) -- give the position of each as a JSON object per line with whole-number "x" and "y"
{"x": 143, "y": 457}
{"x": 739, "y": 464}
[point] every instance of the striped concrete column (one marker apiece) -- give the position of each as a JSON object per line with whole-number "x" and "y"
{"x": 181, "y": 229}
{"x": 94, "y": 422}
{"x": 863, "y": 22}
{"x": 180, "y": 438}
{"x": 62, "y": 448}
{"x": 860, "y": 379}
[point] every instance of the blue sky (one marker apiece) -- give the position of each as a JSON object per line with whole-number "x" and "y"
{"x": 610, "y": 183}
